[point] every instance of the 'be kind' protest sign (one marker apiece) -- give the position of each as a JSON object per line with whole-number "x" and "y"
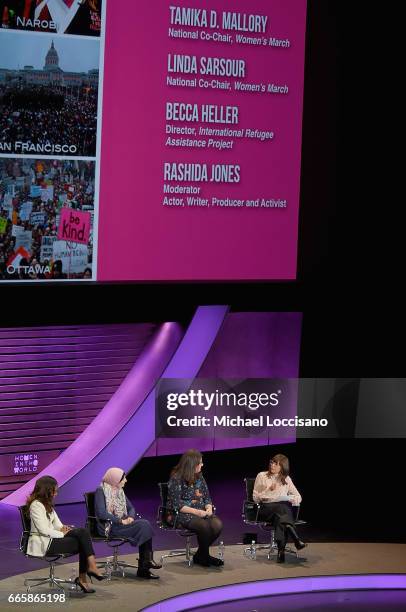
{"x": 74, "y": 226}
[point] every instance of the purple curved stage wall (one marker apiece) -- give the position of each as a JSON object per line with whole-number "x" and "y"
{"x": 256, "y": 345}
{"x": 124, "y": 429}
{"x": 115, "y": 414}
{"x": 217, "y": 344}
{"x": 127, "y": 448}
{"x": 248, "y": 345}
{"x": 54, "y": 381}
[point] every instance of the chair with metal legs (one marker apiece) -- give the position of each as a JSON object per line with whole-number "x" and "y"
{"x": 51, "y": 559}
{"x": 250, "y": 515}
{"x": 168, "y": 520}
{"x": 113, "y": 542}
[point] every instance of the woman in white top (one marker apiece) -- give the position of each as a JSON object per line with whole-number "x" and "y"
{"x": 49, "y": 536}
{"x": 276, "y": 493}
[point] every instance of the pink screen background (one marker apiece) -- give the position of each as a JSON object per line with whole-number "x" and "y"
{"x": 139, "y": 238}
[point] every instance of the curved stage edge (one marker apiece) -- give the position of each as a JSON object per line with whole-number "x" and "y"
{"x": 113, "y": 438}
{"x": 244, "y": 584}
{"x": 285, "y": 586}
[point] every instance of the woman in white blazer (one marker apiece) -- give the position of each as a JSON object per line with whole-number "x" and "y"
{"x": 49, "y": 536}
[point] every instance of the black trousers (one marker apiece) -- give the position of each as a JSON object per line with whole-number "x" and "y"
{"x": 207, "y": 530}
{"x": 75, "y": 541}
{"x": 279, "y": 515}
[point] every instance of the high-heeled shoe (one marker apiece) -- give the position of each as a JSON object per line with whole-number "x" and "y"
{"x": 146, "y": 573}
{"x": 146, "y": 561}
{"x": 82, "y": 586}
{"x": 297, "y": 542}
{"x": 151, "y": 564}
{"x": 97, "y": 576}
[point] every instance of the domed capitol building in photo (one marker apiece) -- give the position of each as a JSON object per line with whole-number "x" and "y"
{"x": 51, "y": 74}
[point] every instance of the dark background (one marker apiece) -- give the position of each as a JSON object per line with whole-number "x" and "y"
{"x": 349, "y": 287}
{"x": 351, "y": 489}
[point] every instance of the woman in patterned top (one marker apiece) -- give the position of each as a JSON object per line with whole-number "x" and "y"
{"x": 112, "y": 504}
{"x": 277, "y": 494}
{"x": 189, "y": 496}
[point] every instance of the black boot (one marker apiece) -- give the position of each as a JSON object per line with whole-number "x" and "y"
{"x": 149, "y": 562}
{"x": 298, "y": 543}
{"x": 146, "y": 562}
{"x": 281, "y": 555}
{"x": 201, "y": 559}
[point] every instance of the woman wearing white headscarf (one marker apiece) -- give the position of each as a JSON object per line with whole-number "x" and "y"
{"x": 111, "y": 503}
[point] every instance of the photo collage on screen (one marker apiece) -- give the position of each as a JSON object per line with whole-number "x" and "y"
{"x": 50, "y": 109}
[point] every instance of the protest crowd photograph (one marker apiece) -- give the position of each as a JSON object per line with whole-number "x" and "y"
{"x": 48, "y": 95}
{"x": 35, "y": 197}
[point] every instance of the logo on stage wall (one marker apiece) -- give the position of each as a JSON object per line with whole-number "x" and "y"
{"x": 26, "y": 463}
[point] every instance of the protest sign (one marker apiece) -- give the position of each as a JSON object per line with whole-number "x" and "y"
{"x": 16, "y": 230}
{"x": 24, "y": 239}
{"x": 38, "y": 218}
{"x": 74, "y": 226}
{"x": 35, "y": 191}
{"x": 74, "y": 257}
{"x": 25, "y": 211}
{"x": 47, "y": 247}
{"x": 47, "y": 193}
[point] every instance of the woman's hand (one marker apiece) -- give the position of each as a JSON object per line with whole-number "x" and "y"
{"x": 209, "y": 510}
{"x": 66, "y": 528}
{"x": 127, "y": 521}
{"x": 201, "y": 513}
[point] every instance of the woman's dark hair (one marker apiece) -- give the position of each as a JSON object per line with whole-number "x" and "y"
{"x": 186, "y": 468}
{"x": 44, "y": 492}
{"x": 283, "y": 461}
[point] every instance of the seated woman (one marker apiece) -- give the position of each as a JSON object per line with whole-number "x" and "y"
{"x": 112, "y": 504}
{"x": 188, "y": 494}
{"x": 277, "y": 494}
{"x": 48, "y": 535}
